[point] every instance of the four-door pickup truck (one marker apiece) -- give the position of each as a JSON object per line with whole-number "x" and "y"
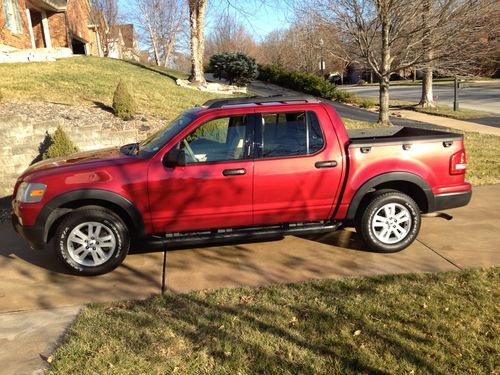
{"x": 240, "y": 169}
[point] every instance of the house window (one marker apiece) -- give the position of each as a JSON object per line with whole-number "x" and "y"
{"x": 12, "y": 16}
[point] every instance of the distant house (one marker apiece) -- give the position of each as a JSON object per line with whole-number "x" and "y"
{"x": 49, "y": 26}
{"x": 122, "y": 43}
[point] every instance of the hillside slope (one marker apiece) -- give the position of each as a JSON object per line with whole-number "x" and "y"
{"x": 87, "y": 80}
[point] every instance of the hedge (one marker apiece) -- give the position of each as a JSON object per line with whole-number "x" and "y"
{"x": 300, "y": 81}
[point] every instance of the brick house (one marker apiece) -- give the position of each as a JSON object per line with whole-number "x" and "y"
{"x": 49, "y": 24}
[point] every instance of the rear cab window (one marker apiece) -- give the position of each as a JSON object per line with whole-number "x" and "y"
{"x": 288, "y": 134}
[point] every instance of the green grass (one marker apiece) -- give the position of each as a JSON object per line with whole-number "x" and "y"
{"x": 483, "y": 154}
{"x": 447, "y": 111}
{"x": 419, "y": 323}
{"x": 440, "y": 110}
{"x": 84, "y": 80}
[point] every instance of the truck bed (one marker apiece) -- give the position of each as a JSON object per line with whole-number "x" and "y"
{"x": 398, "y": 134}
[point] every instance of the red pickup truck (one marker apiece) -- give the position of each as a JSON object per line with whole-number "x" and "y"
{"x": 241, "y": 169}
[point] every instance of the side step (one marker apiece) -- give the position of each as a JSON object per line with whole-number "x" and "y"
{"x": 234, "y": 235}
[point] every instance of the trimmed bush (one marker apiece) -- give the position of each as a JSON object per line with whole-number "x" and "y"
{"x": 300, "y": 81}
{"x": 367, "y": 103}
{"x": 60, "y": 145}
{"x": 345, "y": 97}
{"x": 236, "y": 67}
{"x": 123, "y": 102}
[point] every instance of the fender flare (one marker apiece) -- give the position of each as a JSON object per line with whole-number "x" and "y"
{"x": 387, "y": 178}
{"x": 53, "y": 209}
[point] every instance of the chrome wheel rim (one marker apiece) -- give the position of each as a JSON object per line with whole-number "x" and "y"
{"x": 391, "y": 223}
{"x": 91, "y": 244}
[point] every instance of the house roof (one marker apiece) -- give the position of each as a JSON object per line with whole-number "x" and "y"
{"x": 127, "y": 32}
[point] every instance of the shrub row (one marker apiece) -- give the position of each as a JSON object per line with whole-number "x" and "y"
{"x": 305, "y": 82}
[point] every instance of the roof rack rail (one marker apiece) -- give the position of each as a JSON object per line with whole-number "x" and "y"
{"x": 218, "y": 103}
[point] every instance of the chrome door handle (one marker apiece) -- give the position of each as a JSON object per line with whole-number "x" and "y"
{"x": 234, "y": 172}
{"x": 325, "y": 164}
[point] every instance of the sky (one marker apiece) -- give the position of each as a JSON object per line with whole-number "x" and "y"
{"x": 258, "y": 16}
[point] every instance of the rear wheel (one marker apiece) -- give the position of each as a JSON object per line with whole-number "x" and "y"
{"x": 390, "y": 222}
{"x": 91, "y": 241}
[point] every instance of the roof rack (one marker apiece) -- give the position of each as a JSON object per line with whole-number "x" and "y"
{"x": 218, "y": 103}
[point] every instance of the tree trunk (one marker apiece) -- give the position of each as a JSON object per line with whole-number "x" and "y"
{"x": 383, "y": 115}
{"x": 385, "y": 75}
{"x": 427, "y": 99}
{"x": 197, "y": 26}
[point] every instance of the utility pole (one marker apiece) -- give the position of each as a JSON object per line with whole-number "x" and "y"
{"x": 322, "y": 62}
{"x": 455, "y": 95}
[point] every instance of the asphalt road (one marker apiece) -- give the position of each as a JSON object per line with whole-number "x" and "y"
{"x": 344, "y": 110}
{"x": 479, "y": 96}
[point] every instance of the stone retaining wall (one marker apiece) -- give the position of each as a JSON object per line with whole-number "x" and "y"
{"x": 20, "y": 139}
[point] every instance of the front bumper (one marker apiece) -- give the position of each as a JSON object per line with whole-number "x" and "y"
{"x": 452, "y": 200}
{"x": 32, "y": 234}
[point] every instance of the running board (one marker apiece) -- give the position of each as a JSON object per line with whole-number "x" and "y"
{"x": 234, "y": 235}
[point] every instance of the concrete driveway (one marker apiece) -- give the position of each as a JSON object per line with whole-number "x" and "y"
{"x": 38, "y": 298}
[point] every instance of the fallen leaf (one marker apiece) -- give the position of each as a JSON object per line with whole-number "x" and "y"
{"x": 50, "y": 359}
{"x": 357, "y": 332}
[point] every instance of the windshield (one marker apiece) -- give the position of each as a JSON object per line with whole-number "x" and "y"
{"x": 156, "y": 141}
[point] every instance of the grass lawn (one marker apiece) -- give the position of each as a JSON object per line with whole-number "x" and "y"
{"x": 440, "y": 110}
{"x": 84, "y": 80}
{"x": 443, "y": 323}
{"x": 447, "y": 111}
{"x": 483, "y": 161}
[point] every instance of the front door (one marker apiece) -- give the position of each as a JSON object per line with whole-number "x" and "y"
{"x": 297, "y": 173}
{"x": 214, "y": 189}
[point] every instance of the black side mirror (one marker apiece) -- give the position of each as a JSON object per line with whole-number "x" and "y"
{"x": 174, "y": 158}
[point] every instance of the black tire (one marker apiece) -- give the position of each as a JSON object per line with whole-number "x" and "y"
{"x": 110, "y": 226}
{"x": 392, "y": 236}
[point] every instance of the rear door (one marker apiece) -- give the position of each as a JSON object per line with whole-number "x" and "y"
{"x": 298, "y": 166}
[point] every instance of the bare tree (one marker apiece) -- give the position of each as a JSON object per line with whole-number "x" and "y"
{"x": 160, "y": 21}
{"x": 391, "y": 37}
{"x": 229, "y": 35}
{"x": 304, "y": 44}
{"x": 104, "y": 15}
{"x": 462, "y": 47}
{"x": 197, "y": 9}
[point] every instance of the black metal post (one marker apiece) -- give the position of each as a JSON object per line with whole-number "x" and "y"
{"x": 455, "y": 95}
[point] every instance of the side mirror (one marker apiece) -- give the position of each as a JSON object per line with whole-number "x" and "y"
{"x": 174, "y": 158}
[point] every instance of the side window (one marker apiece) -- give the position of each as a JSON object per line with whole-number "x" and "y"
{"x": 221, "y": 139}
{"x": 291, "y": 134}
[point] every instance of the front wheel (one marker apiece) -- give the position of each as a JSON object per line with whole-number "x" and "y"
{"x": 91, "y": 241}
{"x": 390, "y": 222}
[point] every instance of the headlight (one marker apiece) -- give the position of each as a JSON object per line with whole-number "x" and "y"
{"x": 30, "y": 192}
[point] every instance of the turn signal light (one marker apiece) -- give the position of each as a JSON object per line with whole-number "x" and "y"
{"x": 458, "y": 163}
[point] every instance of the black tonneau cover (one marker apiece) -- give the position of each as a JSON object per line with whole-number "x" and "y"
{"x": 398, "y": 134}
